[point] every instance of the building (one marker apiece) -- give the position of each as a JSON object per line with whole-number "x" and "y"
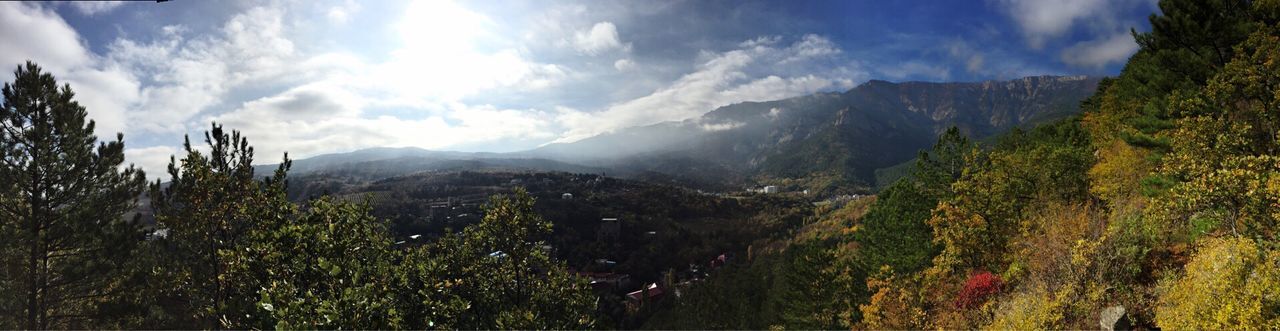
{"x": 649, "y": 293}
{"x": 771, "y": 189}
{"x": 610, "y": 229}
{"x": 719, "y": 261}
{"x": 606, "y": 282}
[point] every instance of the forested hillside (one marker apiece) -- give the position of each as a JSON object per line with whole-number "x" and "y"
{"x": 228, "y": 249}
{"x": 1153, "y": 204}
{"x": 1156, "y": 207}
{"x": 223, "y": 245}
{"x": 828, "y": 143}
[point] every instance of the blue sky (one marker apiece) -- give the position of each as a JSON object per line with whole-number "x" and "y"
{"x": 314, "y": 77}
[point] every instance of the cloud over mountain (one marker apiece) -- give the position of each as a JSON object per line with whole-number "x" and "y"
{"x": 334, "y": 75}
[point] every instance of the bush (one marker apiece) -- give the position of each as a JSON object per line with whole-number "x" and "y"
{"x": 977, "y": 289}
{"x": 1230, "y": 283}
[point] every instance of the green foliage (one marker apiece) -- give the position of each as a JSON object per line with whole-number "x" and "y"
{"x": 212, "y": 207}
{"x": 894, "y": 232}
{"x": 495, "y": 275}
{"x": 1224, "y": 162}
{"x": 808, "y": 286}
{"x": 62, "y": 201}
{"x": 330, "y": 267}
{"x": 1188, "y": 43}
{"x": 895, "y": 303}
{"x": 239, "y": 254}
{"x": 1178, "y": 151}
{"x": 813, "y": 294}
{"x": 1025, "y": 170}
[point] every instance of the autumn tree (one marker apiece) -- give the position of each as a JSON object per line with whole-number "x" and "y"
{"x": 63, "y": 195}
{"x": 1229, "y": 284}
{"x": 1224, "y": 168}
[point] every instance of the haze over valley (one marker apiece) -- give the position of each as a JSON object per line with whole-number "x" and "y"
{"x": 522, "y": 165}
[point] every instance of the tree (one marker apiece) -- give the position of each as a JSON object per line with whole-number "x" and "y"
{"x": 499, "y": 269}
{"x": 1025, "y": 170}
{"x": 1223, "y": 162}
{"x": 894, "y": 232}
{"x": 330, "y": 267}
{"x": 209, "y": 207}
{"x": 808, "y": 289}
{"x": 1191, "y": 41}
{"x": 62, "y": 201}
{"x": 1230, "y": 283}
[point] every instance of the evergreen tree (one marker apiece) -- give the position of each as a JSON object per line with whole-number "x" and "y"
{"x": 895, "y": 232}
{"x": 62, "y": 200}
{"x": 210, "y": 206}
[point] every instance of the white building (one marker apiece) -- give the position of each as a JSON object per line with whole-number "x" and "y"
{"x": 770, "y": 189}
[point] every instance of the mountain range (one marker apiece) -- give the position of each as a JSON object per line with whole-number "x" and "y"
{"x": 826, "y": 142}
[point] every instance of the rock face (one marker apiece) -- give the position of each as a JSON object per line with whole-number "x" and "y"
{"x": 1114, "y": 318}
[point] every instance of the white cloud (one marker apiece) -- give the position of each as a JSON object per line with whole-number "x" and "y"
{"x": 730, "y": 77}
{"x": 761, "y": 41}
{"x": 340, "y": 14}
{"x": 254, "y": 74}
{"x": 190, "y": 79}
{"x": 153, "y": 160}
{"x": 1099, "y": 53}
{"x": 993, "y": 63}
{"x": 306, "y": 124}
{"x": 811, "y": 46}
{"x": 1042, "y": 20}
{"x": 107, "y": 95}
{"x": 30, "y": 32}
{"x": 38, "y": 34}
{"x": 602, "y": 37}
{"x": 911, "y": 69}
{"x": 91, "y": 8}
{"x": 774, "y": 113}
{"x": 714, "y": 127}
{"x": 187, "y": 76}
{"x": 973, "y": 60}
{"x": 624, "y": 65}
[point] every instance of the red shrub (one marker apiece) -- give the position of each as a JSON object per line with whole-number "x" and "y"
{"x": 977, "y": 289}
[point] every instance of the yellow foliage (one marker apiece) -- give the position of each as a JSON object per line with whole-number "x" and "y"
{"x": 892, "y": 307}
{"x": 1057, "y": 242}
{"x": 1106, "y": 124}
{"x": 1037, "y": 309}
{"x": 962, "y": 235}
{"x": 1119, "y": 171}
{"x": 1229, "y": 284}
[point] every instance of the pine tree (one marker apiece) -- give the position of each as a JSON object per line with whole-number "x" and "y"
{"x": 62, "y": 200}
{"x": 894, "y": 232}
{"x": 210, "y": 206}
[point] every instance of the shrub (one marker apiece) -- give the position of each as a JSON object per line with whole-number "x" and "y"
{"x": 977, "y": 289}
{"x": 1230, "y": 283}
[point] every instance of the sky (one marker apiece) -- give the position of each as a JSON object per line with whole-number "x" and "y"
{"x": 310, "y": 77}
